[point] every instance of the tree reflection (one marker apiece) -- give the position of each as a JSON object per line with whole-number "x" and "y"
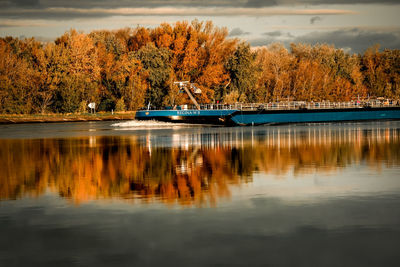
{"x": 198, "y": 173}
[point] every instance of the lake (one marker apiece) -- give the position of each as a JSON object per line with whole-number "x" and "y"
{"x": 146, "y": 194}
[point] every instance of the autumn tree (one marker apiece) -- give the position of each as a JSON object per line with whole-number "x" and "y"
{"x": 215, "y": 53}
{"x": 50, "y": 77}
{"x": 340, "y": 72}
{"x": 112, "y": 60}
{"x": 199, "y": 51}
{"x": 139, "y": 38}
{"x": 274, "y": 76}
{"x": 381, "y": 72}
{"x": 78, "y": 71}
{"x": 136, "y": 82}
{"x": 19, "y": 80}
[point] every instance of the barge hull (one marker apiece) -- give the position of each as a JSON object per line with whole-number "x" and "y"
{"x": 315, "y": 115}
{"x": 214, "y": 117}
{"x": 258, "y": 117}
{"x": 211, "y": 120}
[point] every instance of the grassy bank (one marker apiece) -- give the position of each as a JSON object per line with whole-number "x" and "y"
{"x": 32, "y": 118}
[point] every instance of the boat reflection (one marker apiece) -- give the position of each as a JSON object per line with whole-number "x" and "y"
{"x": 191, "y": 167}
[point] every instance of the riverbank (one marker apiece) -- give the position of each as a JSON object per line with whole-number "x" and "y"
{"x": 75, "y": 117}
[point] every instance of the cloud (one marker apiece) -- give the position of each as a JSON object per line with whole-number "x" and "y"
{"x": 19, "y": 3}
{"x": 314, "y": 19}
{"x": 266, "y": 3}
{"x": 355, "y": 40}
{"x": 261, "y": 3}
{"x": 64, "y": 12}
{"x": 237, "y": 32}
{"x": 22, "y": 23}
{"x": 344, "y": 2}
{"x": 26, "y": 3}
{"x": 89, "y": 4}
{"x": 273, "y": 34}
{"x": 272, "y": 37}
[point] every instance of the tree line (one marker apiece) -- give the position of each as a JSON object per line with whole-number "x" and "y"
{"x": 129, "y": 68}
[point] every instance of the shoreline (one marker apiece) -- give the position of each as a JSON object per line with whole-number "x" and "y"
{"x": 55, "y": 118}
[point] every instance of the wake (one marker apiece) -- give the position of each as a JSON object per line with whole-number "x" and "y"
{"x": 150, "y": 124}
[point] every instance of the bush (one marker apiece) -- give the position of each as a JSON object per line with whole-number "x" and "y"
{"x": 106, "y": 105}
{"x": 83, "y": 107}
{"x": 120, "y": 105}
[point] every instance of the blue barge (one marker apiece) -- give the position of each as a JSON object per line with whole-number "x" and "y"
{"x": 215, "y": 117}
{"x": 275, "y": 113}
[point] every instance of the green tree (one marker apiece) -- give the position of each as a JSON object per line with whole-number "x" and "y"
{"x": 242, "y": 71}
{"x": 156, "y": 61}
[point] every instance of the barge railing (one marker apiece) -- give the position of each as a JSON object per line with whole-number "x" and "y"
{"x": 296, "y": 105}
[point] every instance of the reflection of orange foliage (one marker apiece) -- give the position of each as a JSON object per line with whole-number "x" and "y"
{"x": 105, "y": 167}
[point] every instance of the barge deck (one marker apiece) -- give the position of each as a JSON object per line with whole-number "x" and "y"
{"x": 276, "y": 113}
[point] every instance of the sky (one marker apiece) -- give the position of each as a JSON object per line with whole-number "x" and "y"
{"x": 353, "y": 25}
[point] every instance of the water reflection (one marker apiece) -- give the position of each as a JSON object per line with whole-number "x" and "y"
{"x": 191, "y": 167}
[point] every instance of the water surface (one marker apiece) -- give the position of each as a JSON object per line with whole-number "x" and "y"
{"x": 137, "y": 194}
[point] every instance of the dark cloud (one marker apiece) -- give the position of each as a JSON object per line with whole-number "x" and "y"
{"x": 288, "y": 34}
{"x": 352, "y": 40}
{"x": 27, "y": 3}
{"x": 267, "y": 41}
{"x": 98, "y": 12}
{"x": 314, "y": 19}
{"x": 61, "y": 9}
{"x": 266, "y": 3}
{"x": 261, "y": 3}
{"x": 358, "y": 40}
{"x": 273, "y": 34}
{"x": 345, "y": 2}
{"x": 44, "y": 14}
{"x": 273, "y": 37}
{"x": 237, "y": 32}
{"x": 119, "y": 3}
{"x": 176, "y": 3}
